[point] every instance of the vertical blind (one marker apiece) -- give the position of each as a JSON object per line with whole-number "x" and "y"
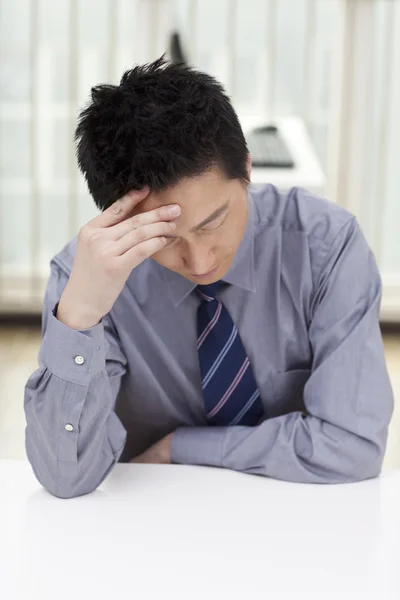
{"x": 275, "y": 57}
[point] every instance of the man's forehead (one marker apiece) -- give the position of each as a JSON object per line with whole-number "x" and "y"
{"x": 189, "y": 203}
{"x": 197, "y": 196}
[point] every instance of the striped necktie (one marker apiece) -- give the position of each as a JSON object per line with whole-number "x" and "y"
{"x": 231, "y": 395}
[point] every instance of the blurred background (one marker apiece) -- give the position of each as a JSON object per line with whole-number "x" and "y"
{"x": 318, "y": 79}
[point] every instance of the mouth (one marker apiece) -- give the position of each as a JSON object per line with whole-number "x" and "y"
{"x": 205, "y": 275}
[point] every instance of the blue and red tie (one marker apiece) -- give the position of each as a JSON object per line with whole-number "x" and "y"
{"x": 231, "y": 395}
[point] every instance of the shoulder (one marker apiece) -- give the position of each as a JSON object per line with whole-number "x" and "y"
{"x": 299, "y": 211}
{"x": 300, "y": 220}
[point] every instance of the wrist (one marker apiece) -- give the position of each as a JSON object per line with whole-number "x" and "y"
{"x": 76, "y": 317}
{"x": 166, "y": 450}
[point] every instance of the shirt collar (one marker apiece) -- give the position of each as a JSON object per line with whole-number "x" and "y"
{"x": 241, "y": 271}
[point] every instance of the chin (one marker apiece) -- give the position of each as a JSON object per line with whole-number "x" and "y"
{"x": 202, "y": 280}
{"x": 214, "y": 277}
{"x": 209, "y": 280}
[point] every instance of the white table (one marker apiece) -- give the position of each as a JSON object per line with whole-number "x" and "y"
{"x": 157, "y": 532}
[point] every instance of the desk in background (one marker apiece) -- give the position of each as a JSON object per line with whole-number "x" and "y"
{"x": 190, "y": 533}
{"x": 307, "y": 172}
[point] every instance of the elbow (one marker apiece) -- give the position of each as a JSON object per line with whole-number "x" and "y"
{"x": 368, "y": 446}
{"x": 371, "y": 464}
{"x": 370, "y": 470}
{"x": 66, "y": 492}
{"x": 62, "y": 480}
{"x": 64, "y": 488}
{"x": 77, "y": 484}
{"x": 51, "y": 486}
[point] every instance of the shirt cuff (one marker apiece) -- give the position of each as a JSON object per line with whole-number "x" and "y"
{"x": 198, "y": 446}
{"x": 74, "y": 356}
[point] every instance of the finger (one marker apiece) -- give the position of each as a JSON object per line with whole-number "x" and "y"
{"x": 135, "y": 237}
{"x": 162, "y": 213}
{"x": 139, "y": 253}
{"x": 119, "y": 210}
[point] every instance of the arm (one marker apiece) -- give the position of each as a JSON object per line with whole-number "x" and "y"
{"x": 348, "y": 397}
{"x": 73, "y": 436}
{"x": 61, "y": 392}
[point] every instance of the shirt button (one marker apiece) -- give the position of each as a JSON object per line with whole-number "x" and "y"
{"x": 69, "y": 427}
{"x": 79, "y": 360}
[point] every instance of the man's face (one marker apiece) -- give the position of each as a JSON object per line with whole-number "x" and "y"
{"x": 209, "y": 229}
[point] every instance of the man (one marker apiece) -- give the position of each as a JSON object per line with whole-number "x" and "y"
{"x": 198, "y": 321}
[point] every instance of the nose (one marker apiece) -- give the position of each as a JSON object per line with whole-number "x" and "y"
{"x": 199, "y": 260}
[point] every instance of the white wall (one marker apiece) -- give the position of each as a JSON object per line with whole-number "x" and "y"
{"x": 276, "y": 57}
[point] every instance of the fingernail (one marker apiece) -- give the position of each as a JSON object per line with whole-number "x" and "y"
{"x": 174, "y": 210}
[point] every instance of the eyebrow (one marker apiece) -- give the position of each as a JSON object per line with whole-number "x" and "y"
{"x": 213, "y": 216}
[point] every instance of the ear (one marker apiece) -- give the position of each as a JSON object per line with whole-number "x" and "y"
{"x": 248, "y": 167}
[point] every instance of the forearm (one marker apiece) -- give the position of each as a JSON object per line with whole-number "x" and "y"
{"x": 291, "y": 447}
{"x": 73, "y": 436}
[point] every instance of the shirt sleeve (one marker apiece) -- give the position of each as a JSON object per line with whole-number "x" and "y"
{"x": 348, "y": 397}
{"x": 73, "y": 436}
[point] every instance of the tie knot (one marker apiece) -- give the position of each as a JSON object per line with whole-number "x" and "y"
{"x": 209, "y": 292}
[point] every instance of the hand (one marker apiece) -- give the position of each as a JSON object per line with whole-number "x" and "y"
{"x": 159, "y": 453}
{"x": 109, "y": 247}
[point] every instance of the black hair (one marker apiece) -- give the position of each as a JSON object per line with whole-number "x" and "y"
{"x": 162, "y": 123}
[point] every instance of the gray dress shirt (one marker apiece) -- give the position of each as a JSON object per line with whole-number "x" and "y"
{"x": 305, "y": 294}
